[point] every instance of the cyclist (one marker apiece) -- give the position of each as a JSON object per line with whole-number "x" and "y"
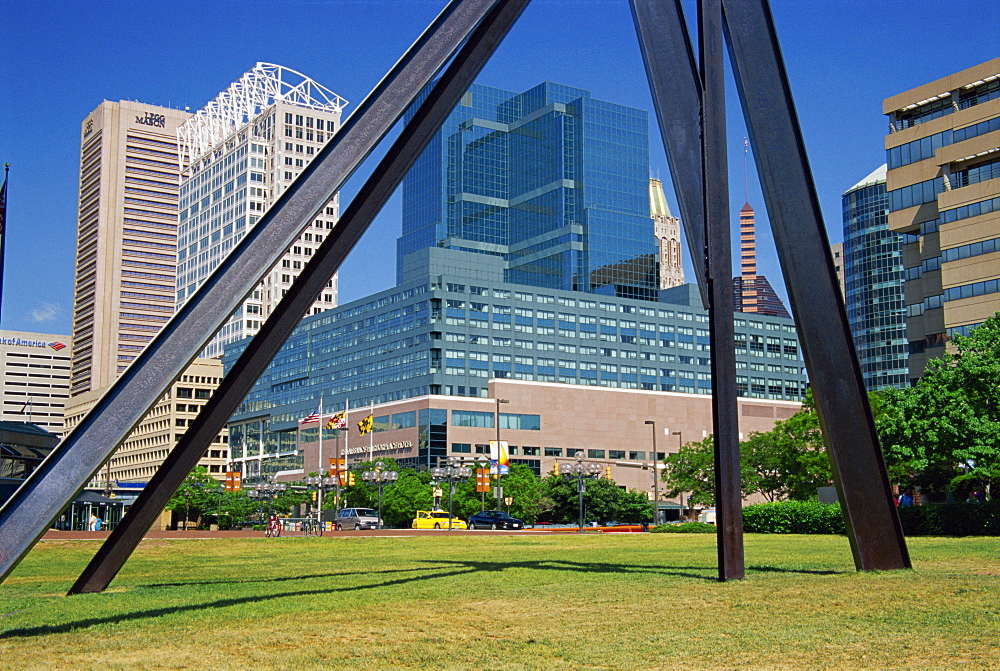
{"x": 273, "y": 527}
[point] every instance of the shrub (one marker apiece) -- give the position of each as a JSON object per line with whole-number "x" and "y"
{"x": 951, "y": 519}
{"x": 793, "y": 517}
{"x": 685, "y": 528}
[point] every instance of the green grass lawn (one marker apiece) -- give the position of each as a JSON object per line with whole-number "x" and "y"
{"x": 466, "y": 601}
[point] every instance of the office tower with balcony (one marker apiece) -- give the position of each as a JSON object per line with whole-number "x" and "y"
{"x": 240, "y": 152}
{"x": 943, "y": 187}
{"x": 872, "y": 266}
{"x": 552, "y": 181}
{"x": 126, "y": 252}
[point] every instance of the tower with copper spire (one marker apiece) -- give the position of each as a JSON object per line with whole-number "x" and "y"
{"x": 667, "y": 229}
{"x": 752, "y": 292}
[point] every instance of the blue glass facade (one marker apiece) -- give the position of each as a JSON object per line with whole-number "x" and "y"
{"x": 453, "y": 324}
{"x": 551, "y": 181}
{"x": 874, "y": 275}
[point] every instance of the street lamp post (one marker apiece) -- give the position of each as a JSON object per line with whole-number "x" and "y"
{"x": 656, "y": 473}
{"x": 269, "y": 490}
{"x": 497, "y": 421}
{"x": 680, "y": 444}
{"x": 451, "y": 473}
{"x": 581, "y": 471}
{"x": 380, "y": 477}
{"x": 321, "y": 483}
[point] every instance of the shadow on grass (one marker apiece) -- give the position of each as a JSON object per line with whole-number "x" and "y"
{"x": 775, "y": 569}
{"x": 451, "y": 570}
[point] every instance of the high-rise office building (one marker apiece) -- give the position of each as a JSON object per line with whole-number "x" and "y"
{"x": 552, "y": 181}
{"x": 126, "y": 251}
{"x": 943, "y": 186}
{"x": 34, "y": 378}
{"x": 667, "y": 230}
{"x": 240, "y": 152}
{"x": 752, "y": 292}
{"x": 873, "y": 275}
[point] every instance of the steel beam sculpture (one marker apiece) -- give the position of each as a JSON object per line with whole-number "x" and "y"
{"x": 443, "y": 97}
{"x": 27, "y": 514}
{"x": 690, "y": 109}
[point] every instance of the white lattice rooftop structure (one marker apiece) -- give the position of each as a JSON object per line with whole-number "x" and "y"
{"x": 244, "y": 99}
{"x": 239, "y": 153}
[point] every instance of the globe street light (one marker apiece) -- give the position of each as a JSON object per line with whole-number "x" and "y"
{"x": 451, "y": 473}
{"x": 270, "y": 490}
{"x": 581, "y": 471}
{"x": 379, "y": 477}
{"x": 321, "y": 483}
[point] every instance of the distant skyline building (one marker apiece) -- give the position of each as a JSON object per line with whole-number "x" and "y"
{"x": 943, "y": 186}
{"x": 873, "y": 274}
{"x": 240, "y": 152}
{"x": 126, "y": 251}
{"x": 667, "y": 230}
{"x": 752, "y": 292}
{"x": 551, "y": 180}
{"x": 34, "y": 378}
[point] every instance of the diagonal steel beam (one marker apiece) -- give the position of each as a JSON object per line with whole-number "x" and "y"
{"x": 725, "y": 409}
{"x": 27, "y": 514}
{"x": 804, "y": 251}
{"x": 427, "y": 120}
{"x": 676, "y": 88}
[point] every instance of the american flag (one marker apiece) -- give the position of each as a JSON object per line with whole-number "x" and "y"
{"x": 311, "y": 418}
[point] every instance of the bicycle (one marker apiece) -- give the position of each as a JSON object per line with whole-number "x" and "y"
{"x": 273, "y": 527}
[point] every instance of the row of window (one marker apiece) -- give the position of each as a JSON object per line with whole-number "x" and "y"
{"x": 972, "y": 290}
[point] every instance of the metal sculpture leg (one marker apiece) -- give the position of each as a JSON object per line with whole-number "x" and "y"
{"x": 804, "y": 251}
{"x": 25, "y": 516}
{"x": 725, "y": 410}
{"x": 675, "y": 85}
{"x": 446, "y": 93}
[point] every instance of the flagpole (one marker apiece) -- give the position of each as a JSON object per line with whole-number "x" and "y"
{"x": 320, "y": 469}
{"x": 371, "y": 434}
{"x": 3, "y": 227}
{"x": 319, "y": 489}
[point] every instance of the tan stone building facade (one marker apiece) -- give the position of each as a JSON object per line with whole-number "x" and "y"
{"x": 148, "y": 445}
{"x": 543, "y": 423}
{"x": 943, "y": 186}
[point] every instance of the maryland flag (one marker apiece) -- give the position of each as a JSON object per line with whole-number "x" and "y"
{"x": 365, "y": 425}
{"x": 338, "y": 421}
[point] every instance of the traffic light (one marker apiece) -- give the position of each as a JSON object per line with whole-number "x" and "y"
{"x": 555, "y": 468}
{"x": 607, "y": 472}
{"x": 350, "y": 478}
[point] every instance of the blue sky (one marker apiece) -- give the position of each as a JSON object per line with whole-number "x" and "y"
{"x": 62, "y": 58}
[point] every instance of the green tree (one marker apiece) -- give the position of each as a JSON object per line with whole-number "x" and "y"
{"x": 410, "y": 493}
{"x": 943, "y": 433}
{"x": 195, "y": 497}
{"x": 525, "y": 490}
{"x": 690, "y": 471}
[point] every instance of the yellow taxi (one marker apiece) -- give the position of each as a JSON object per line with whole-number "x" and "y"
{"x": 436, "y": 519}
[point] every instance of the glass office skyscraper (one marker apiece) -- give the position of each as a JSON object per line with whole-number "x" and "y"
{"x": 551, "y": 180}
{"x": 873, "y": 269}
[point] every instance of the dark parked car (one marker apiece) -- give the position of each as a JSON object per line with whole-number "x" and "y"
{"x": 494, "y": 519}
